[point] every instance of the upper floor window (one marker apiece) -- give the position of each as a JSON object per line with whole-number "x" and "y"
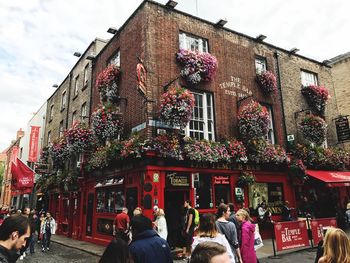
{"x": 76, "y": 86}
{"x": 260, "y": 65}
{"x": 63, "y": 100}
{"x": 83, "y": 111}
{"x": 271, "y": 133}
{"x": 51, "y": 112}
{"x": 115, "y": 59}
{"x": 61, "y": 130}
{"x": 48, "y": 137}
{"x": 201, "y": 125}
{"x": 86, "y": 75}
{"x": 74, "y": 117}
{"x": 194, "y": 43}
{"x": 308, "y": 78}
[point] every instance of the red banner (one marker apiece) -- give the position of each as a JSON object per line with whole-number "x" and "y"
{"x": 291, "y": 235}
{"x": 14, "y": 153}
{"x": 33, "y": 144}
{"x": 22, "y": 175}
{"x": 317, "y": 226}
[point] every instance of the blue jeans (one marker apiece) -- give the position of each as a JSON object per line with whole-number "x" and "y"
{"x": 32, "y": 241}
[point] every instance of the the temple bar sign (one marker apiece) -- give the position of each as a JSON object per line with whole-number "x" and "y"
{"x": 343, "y": 131}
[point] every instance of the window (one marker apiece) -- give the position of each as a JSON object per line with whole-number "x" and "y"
{"x": 49, "y": 137}
{"x": 271, "y": 133}
{"x": 61, "y": 129}
{"x": 201, "y": 125}
{"x": 86, "y": 75}
{"x": 260, "y": 65}
{"x": 74, "y": 117}
{"x": 76, "y": 86}
{"x": 308, "y": 78}
{"x": 270, "y": 193}
{"x": 203, "y": 189}
{"x": 115, "y": 59}
{"x": 83, "y": 111}
{"x": 109, "y": 199}
{"x": 193, "y": 43}
{"x": 51, "y": 112}
{"x": 63, "y": 100}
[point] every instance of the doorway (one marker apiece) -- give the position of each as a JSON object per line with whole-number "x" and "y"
{"x": 89, "y": 213}
{"x": 174, "y": 214}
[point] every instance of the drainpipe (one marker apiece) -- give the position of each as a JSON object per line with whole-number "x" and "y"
{"x": 277, "y": 54}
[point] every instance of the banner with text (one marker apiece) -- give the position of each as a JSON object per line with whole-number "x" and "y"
{"x": 291, "y": 235}
{"x": 33, "y": 144}
{"x": 317, "y": 226}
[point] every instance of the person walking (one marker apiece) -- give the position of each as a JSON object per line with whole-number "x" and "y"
{"x": 25, "y": 213}
{"x": 248, "y": 229}
{"x": 160, "y": 224}
{"x": 33, "y": 218}
{"x": 228, "y": 229}
{"x": 121, "y": 225}
{"x": 210, "y": 252}
{"x": 207, "y": 231}
{"x": 146, "y": 246}
{"x": 188, "y": 230}
{"x": 40, "y": 223}
{"x": 116, "y": 252}
{"x": 336, "y": 247}
{"x": 48, "y": 228}
{"x": 14, "y": 232}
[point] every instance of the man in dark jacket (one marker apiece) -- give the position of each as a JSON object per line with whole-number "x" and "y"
{"x": 14, "y": 232}
{"x": 146, "y": 245}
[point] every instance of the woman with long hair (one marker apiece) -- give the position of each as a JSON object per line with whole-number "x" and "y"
{"x": 248, "y": 229}
{"x": 228, "y": 229}
{"x": 336, "y": 247}
{"x": 207, "y": 231}
{"x": 116, "y": 252}
{"x": 160, "y": 224}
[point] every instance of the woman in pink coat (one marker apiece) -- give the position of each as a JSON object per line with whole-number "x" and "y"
{"x": 247, "y": 246}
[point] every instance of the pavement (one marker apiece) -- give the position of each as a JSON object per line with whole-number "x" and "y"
{"x": 264, "y": 252}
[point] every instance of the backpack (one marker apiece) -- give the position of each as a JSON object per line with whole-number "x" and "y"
{"x": 196, "y": 217}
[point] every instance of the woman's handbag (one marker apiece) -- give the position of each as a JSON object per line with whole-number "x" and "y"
{"x": 258, "y": 243}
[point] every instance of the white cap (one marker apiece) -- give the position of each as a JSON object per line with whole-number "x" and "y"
{"x": 155, "y": 208}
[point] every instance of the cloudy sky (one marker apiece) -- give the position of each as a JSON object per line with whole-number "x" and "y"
{"x": 38, "y": 39}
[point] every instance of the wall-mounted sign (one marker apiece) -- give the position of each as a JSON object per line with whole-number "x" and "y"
{"x": 177, "y": 179}
{"x": 234, "y": 87}
{"x": 155, "y": 177}
{"x": 221, "y": 180}
{"x": 343, "y": 131}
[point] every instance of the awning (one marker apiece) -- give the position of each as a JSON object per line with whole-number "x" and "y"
{"x": 331, "y": 178}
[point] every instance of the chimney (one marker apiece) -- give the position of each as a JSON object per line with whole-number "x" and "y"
{"x": 20, "y": 133}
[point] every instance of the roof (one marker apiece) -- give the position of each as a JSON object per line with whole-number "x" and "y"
{"x": 340, "y": 58}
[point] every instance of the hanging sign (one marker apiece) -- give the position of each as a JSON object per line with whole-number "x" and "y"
{"x": 177, "y": 179}
{"x": 291, "y": 235}
{"x": 317, "y": 226}
{"x": 342, "y": 127}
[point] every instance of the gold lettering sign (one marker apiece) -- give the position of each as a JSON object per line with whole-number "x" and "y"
{"x": 174, "y": 179}
{"x": 234, "y": 87}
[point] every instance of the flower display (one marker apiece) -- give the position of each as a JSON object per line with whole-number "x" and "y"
{"x": 205, "y": 151}
{"x": 79, "y": 137}
{"x": 131, "y": 148}
{"x": 267, "y": 82}
{"x": 316, "y": 97}
{"x": 177, "y": 106}
{"x": 45, "y": 154}
{"x": 107, "y": 83}
{"x": 261, "y": 151}
{"x": 313, "y": 129}
{"x": 106, "y": 123}
{"x": 322, "y": 158}
{"x": 297, "y": 170}
{"x": 165, "y": 146}
{"x": 245, "y": 178}
{"x": 253, "y": 121}
{"x": 236, "y": 150}
{"x": 197, "y": 66}
{"x": 103, "y": 156}
{"x": 59, "y": 153}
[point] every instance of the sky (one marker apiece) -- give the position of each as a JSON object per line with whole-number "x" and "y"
{"x": 38, "y": 39}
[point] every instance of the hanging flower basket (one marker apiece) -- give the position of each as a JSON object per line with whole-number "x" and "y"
{"x": 253, "y": 121}
{"x": 260, "y": 151}
{"x": 106, "y": 123}
{"x": 59, "y": 153}
{"x": 236, "y": 150}
{"x": 177, "y": 106}
{"x": 297, "y": 171}
{"x": 79, "y": 137}
{"x": 245, "y": 179}
{"x": 107, "y": 83}
{"x": 267, "y": 82}
{"x": 166, "y": 146}
{"x": 197, "y": 66}
{"x": 316, "y": 97}
{"x": 313, "y": 129}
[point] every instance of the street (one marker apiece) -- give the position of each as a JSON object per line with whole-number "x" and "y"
{"x": 59, "y": 253}
{"x": 304, "y": 256}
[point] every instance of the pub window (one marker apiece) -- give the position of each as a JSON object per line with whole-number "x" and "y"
{"x": 86, "y": 75}
{"x": 76, "y": 86}
{"x": 260, "y": 65}
{"x": 51, "y": 112}
{"x": 83, "y": 111}
{"x": 191, "y": 42}
{"x": 109, "y": 199}
{"x": 115, "y": 59}
{"x": 271, "y": 133}
{"x": 222, "y": 190}
{"x": 270, "y": 193}
{"x": 308, "y": 78}
{"x": 203, "y": 188}
{"x": 201, "y": 125}
{"x": 74, "y": 117}
{"x": 63, "y": 100}
{"x": 61, "y": 130}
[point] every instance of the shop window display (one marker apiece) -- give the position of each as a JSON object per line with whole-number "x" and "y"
{"x": 109, "y": 200}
